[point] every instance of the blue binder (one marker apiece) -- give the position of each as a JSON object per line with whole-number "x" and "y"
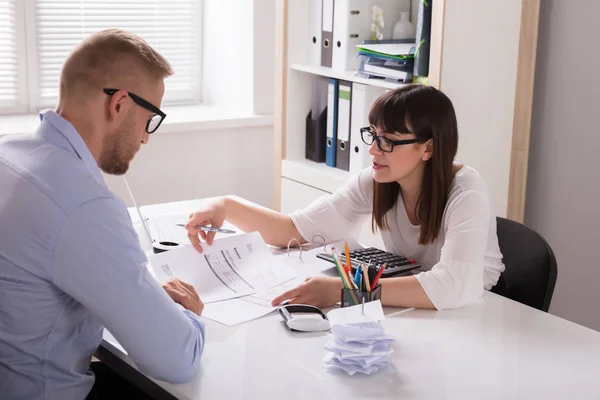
{"x": 332, "y": 117}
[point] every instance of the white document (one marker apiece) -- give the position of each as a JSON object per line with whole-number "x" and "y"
{"x": 232, "y": 267}
{"x": 243, "y": 309}
{"x": 355, "y": 314}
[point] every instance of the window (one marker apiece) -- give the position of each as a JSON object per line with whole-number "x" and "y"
{"x": 49, "y": 29}
{"x": 12, "y": 56}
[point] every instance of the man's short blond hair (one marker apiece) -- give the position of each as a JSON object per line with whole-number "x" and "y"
{"x": 111, "y": 57}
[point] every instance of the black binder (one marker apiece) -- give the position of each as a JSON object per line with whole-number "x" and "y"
{"x": 316, "y": 132}
{"x": 423, "y": 40}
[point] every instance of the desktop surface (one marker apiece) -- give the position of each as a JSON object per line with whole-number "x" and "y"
{"x": 493, "y": 349}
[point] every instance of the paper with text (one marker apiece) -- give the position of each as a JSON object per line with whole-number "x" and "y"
{"x": 232, "y": 267}
{"x": 243, "y": 309}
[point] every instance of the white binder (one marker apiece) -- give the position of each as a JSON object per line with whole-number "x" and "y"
{"x": 363, "y": 96}
{"x": 352, "y": 24}
{"x": 315, "y": 9}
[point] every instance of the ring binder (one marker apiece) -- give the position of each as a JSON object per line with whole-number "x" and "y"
{"x": 299, "y": 246}
{"x": 312, "y": 241}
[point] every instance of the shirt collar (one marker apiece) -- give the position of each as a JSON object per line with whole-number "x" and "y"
{"x": 68, "y": 131}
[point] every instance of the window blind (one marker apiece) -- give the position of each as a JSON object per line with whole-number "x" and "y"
{"x": 10, "y": 63}
{"x": 172, "y": 27}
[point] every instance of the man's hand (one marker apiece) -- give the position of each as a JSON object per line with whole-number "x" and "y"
{"x": 184, "y": 294}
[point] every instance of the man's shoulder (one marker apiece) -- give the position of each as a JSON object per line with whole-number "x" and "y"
{"x": 38, "y": 168}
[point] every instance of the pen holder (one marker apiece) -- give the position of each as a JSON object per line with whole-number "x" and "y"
{"x": 351, "y": 297}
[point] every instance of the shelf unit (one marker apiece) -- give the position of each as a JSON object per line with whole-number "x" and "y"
{"x": 343, "y": 75}
{"x": 483, "y": 59}
{"x": 317, "y": 175}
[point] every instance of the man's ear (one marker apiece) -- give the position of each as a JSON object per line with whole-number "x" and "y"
{"x": 116, "y": 106}
{"x": 428, "y": 153}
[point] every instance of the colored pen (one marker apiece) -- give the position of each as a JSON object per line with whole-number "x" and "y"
{"x": 366, "y": 275}
{"x": 347, "y": 251}
{"x": 211, "y": 229}
{"x": 348, "y": 274}
{"x": 344, "y": 274}
{"x": 377, "y": 277}
{"x": 339, "y": 270}
{"x": 348, "y": 283}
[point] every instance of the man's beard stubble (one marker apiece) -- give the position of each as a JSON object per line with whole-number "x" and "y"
{"x": 118, "y": 152}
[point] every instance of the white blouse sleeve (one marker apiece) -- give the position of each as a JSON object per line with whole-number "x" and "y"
{"x": 457, "y": 279}
{"x": 339, "y": 215}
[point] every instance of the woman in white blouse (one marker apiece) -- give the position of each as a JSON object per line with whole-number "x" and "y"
{"x": 425, "y": 206}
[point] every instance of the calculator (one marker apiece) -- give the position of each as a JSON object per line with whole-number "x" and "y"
{"x": 394, "y": 264}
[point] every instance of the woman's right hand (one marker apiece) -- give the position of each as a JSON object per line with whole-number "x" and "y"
{"x": 212, "y": 214}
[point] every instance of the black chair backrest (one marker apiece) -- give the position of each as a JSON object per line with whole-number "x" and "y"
{"x": 530, "y": 273}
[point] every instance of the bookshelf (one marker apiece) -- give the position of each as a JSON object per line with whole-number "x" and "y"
{"x": 342, "y": 75}
{"x": 483, "y": 59}
{"x": 317, "y": 175}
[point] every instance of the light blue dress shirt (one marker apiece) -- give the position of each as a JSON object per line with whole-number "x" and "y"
{"x": 70, "y": 265}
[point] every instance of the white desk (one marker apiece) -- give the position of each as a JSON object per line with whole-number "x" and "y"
{"x": 494, "y": 349}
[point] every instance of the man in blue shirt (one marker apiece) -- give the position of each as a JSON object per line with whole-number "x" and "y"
{"x": 70, "y": 260}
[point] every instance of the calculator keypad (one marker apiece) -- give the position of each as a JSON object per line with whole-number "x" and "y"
{"x": 377, "y": 257}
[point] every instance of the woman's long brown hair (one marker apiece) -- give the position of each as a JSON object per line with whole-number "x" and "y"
{"x": 428, "y": 114}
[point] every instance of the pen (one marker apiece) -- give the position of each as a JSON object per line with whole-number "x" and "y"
{"x": 339, "y": 270}
{"x": 377, "y": 277}
{"x": 211, "y": 229}
{"x": 366, "y": 275}
{"x": 344, "y": 274}
{"x": 347, "y": 274}
{"x": 347, "y": 251}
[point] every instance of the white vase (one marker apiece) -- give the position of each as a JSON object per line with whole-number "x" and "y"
{"x": 403, "y": 29}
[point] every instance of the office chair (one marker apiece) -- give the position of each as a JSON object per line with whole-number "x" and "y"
{"x": 531, "y": 271}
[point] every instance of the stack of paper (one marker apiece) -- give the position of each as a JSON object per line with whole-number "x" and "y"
{"x": 359, "y": 343}
{"x": 393, "y": 62}
{"x": 362, "y": 347}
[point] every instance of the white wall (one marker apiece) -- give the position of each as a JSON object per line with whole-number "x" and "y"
{"x": 479, "y": 72}
{"x": 191, "y": 165}
{"x": 264, "y": 57}
{"x": 238, "y": 79}
{"x": 564, "y": 169}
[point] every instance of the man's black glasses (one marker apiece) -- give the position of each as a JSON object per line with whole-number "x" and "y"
{"x": 158, "y": 117}
{"x": 384, "y": 144}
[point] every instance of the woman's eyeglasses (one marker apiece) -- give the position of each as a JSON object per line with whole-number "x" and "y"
{"x": 158, "y": 117}
{"x": 386, "y": 145}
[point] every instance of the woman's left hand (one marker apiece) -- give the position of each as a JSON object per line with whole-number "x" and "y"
{"x": 318, "y": 291}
